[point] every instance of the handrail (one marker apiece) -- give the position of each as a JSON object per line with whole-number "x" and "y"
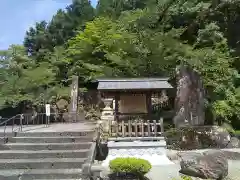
{"x": 8, "y": 119}
{"x": 38, "y": 118}
{"x": 5, "y": 126}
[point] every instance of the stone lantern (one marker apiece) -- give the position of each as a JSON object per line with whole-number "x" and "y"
{"x": 107, "y": 114}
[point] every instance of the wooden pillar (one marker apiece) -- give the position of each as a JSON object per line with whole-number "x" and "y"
{"x": 149, "y": 104}
{"x": 117, "y": 99}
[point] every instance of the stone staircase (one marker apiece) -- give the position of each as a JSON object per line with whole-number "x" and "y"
{"x": 45, "y": 155}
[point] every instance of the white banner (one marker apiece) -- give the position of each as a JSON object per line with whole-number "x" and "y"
{"x": 47, "y": 106}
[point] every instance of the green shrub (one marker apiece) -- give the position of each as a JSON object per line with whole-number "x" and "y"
{"x": 184, "y": 177}
{"x": 130, "y": 165}
{"x": 237, "y": 132}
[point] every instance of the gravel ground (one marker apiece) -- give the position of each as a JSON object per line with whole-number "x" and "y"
{"x": 170, "y": 172}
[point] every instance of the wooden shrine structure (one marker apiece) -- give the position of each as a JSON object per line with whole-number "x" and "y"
{"x": 133, "y": 102}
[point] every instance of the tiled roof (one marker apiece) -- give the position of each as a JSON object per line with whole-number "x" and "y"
{"x": 133, "y": 83}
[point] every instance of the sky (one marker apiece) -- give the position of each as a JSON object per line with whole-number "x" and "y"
{"x": 16, "y": 16}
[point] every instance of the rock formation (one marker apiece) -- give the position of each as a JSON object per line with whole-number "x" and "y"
{"x": 189, "y": 102}
{"x": 199, "y": 137}
{"x": 211, "y": 165}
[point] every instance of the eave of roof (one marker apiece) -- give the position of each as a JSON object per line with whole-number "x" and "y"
{"x": 133, "y": 84}
{"x": 130, "y": 79}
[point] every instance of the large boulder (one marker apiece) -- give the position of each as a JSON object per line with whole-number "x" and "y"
{"x": 212, "y": 164}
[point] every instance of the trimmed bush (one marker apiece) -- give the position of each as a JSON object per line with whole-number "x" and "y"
{"x": 136, "y": 166}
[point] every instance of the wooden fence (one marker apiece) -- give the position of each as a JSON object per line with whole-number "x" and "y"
{"x": 136, "y": 128}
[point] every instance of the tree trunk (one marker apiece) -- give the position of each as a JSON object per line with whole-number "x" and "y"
{"x": 189, "y": 102}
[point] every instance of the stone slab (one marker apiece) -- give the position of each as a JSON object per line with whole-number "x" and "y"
{"x": 139, "y": 144}
{"x": 153, "y": 151}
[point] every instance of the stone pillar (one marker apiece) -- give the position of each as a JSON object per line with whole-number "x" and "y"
{"x": 189, "y": 102}
{"x": 74, "y": 100}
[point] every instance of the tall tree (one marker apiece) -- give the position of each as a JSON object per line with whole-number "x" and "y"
{"x": 45, "y": 36}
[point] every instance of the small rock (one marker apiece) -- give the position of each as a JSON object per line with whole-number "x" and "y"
{"x": 172, "y": 155}
{"x": 234, "y": 143}
{"x": 221, "y": 136}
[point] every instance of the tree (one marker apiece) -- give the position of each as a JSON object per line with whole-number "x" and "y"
{"x": 23, "y": 80}
{"x": 130, "y": 38}
{"x": 44, "y": 37}
{"x": 114, "y": 8}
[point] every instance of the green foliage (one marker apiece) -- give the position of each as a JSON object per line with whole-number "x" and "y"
{"x": 133, "y": 38}
{"x": 26, "y": 81}
{"x": 100, "y": 50}
{"x": 114, "y": 8}
{"x": 184, "y": 177}
{"x": 130, "y": 165}
{"x": 42, "y": 38}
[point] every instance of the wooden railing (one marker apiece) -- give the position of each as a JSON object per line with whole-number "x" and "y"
{"x": 136, "y": 128}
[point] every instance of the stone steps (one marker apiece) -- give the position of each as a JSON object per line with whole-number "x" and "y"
{"x": 46, "y": 163}
{"x": 26, "y": 154}
{"x": 7, "y": 134}
{"x": 43, "y": 174}
{"x": 46, "y": 146}
{"x": 45, "y": 155}
{"x": 56, "y": 134}
{"x": 60, "y": 139}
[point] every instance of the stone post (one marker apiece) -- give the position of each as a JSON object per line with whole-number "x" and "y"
{"x": 74, "y": 99}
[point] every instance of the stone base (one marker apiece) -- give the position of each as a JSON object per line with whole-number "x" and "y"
{"x": 154, "y": 152}
{"x": 106, "y": 122}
